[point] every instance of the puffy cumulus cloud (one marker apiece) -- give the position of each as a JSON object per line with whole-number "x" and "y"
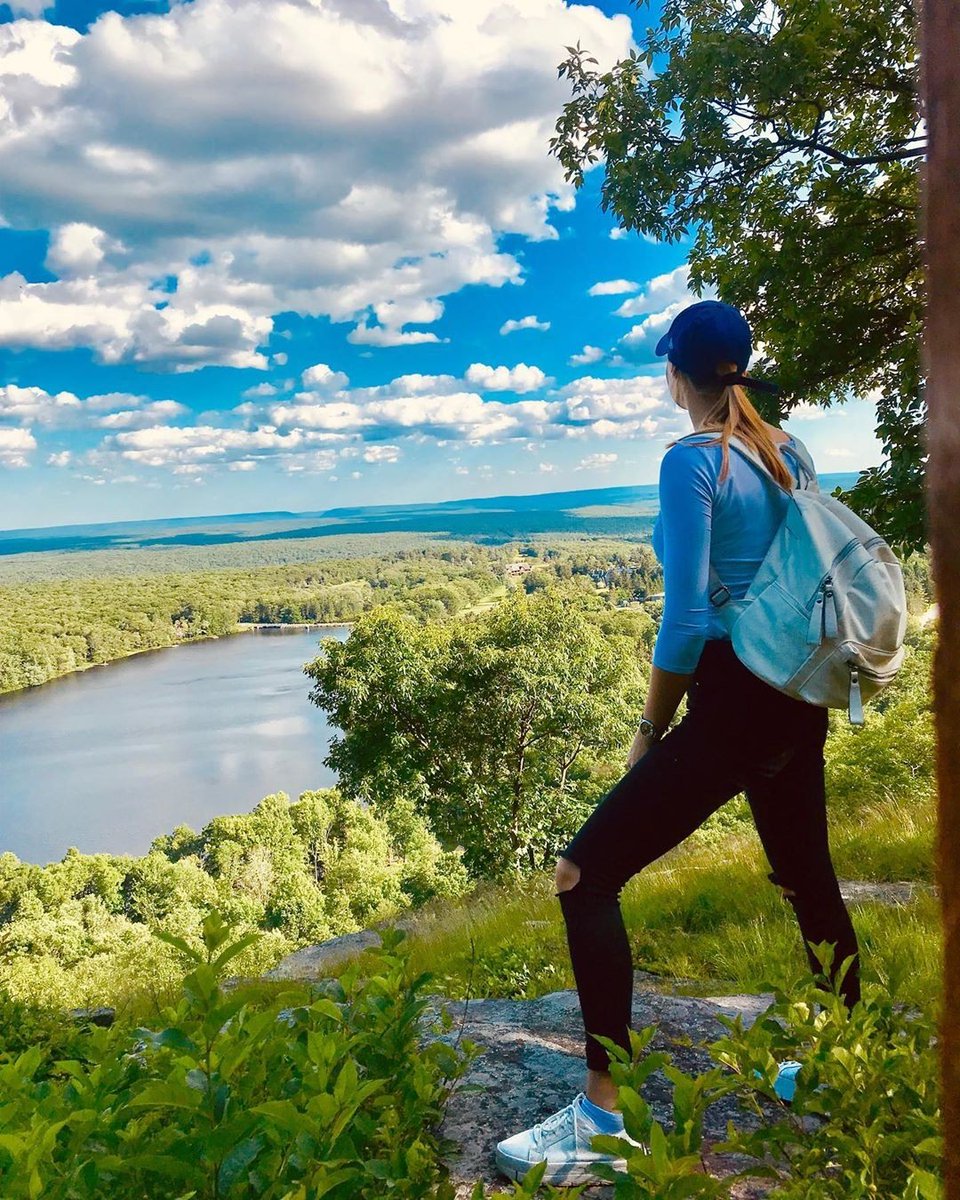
{"x": 590, "y": 400}
{"x": 377, "y": 454}
{"x": 34, "y": 406}
{"x": 77, "y": 249}
{"x": 452, "y": 415}
{"x": 398, "y": 141}
{"x": 315, "y": 429}
{"x": 588, "y": 355}
{"x": 142, "y": 418}
{"x": 645, "y": 335}
{"x": 114, "y": 313}
{"x": 520, "y": 378}
{"x": 187, "y": 448}
{"x": 323, "y": 377}
{"x": 613, "y": 287}
{"x": 260, "y": 391}
{"x": 15, "y": 447}
{"x": 383, "y": 335}
{"x": 658, "y": 294}
{"x": 61, "y": 458}
{"x": 596, "y": 462}
{"x": 531, "y": 322}
{"x": 662, "y": 298}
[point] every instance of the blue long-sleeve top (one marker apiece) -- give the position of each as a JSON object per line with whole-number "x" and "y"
{"x": 730, "y": 524}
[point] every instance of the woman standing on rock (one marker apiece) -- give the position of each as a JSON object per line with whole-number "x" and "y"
{"x": 739, "y": 734}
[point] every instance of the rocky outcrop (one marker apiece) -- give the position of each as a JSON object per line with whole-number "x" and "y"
{"x": 533, "y": 1064}
{"x": 533, "y": 1051}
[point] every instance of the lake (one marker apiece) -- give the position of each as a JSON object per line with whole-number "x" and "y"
{"x": 110, "y": 758}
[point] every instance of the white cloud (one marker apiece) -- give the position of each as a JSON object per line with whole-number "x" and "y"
{"x": 379, "y": 453}
{"x": 613, "y": 287}
{"x": 186, "y": 449}
{"x": 619, "y": 407}
{"x": 324, "y": 378}
{"x": 78, "y": 249}
{"x": 531, "y": 322}
{"x": 807, "y": 412}
{"x": 589, "y": 354}
{"x": 659, "y": 293}
{"x": 648, "y": 332}
{"x": 596, "y": 462}
{"x": 330, "y": 159}
{"x": 618, "y": 232}
{"x": 547, "y": 467}
{"x": 141, "y": 418}
{"x": 520, "y": 378}
{"x": 260, "y": 391}
{"x": 242, "y": 464}
{"x": 61, "y": 458}
{"x": 15, "y": 447}
{"x": 279, "y": 359}
{"x": 383, "y": 335}
{"x": 32, "y": 405}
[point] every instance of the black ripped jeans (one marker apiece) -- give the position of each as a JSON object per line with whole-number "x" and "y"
{"x": 739, "y": 734}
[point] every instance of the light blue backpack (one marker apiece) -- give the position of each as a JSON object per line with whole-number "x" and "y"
{"x": 825, "y": 616}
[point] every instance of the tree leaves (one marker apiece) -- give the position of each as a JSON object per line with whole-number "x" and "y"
{"x": 785, "y": 139}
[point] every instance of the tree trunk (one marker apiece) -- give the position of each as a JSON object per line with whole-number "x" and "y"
{"x": 941, "y": 219}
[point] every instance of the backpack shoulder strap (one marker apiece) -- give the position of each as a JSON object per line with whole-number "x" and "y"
{"x": 719, "y": 594}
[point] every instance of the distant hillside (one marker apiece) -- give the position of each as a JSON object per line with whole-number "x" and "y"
{"x": 613, "y": 512}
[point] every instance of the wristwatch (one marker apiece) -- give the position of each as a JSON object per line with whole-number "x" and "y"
{"x": 649, "y": 730}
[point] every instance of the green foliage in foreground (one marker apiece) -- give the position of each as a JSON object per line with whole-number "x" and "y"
{"x": 339, "y": 1090}
{"x": 864, "y": 1122}
{"x": 322, "y": 1094}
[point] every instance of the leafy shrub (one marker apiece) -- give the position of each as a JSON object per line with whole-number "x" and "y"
{"x": 864, "y": 1122}
{"x": 326, "y": 1094}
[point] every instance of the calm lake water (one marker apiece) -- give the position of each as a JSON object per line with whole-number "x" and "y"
{"x": 110, "y": 758}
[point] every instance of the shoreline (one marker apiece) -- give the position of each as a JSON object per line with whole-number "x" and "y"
{"x": 208, "y": 637}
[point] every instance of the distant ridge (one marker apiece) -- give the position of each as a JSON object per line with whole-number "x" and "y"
{"x": 630, "y": 512}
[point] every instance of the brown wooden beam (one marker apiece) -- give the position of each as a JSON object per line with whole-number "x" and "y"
{"x": 941, "y": 231}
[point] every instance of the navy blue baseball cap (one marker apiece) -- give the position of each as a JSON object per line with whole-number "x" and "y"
{"x": 710, "y": 332}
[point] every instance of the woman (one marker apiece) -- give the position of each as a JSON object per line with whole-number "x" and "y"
{"x": 739, "y": 734}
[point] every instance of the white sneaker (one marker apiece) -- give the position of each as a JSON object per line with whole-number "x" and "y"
{"x": 564, "y": 1141}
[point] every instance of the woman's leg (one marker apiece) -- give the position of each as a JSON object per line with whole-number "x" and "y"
{"x": 663, "y": 798}
{"x": 788, "y": 804}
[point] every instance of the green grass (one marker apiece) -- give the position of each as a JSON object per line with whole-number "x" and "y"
{"x": 704, "y": 915}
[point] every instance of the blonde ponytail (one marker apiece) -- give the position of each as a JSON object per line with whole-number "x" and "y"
{"x": 733, "y": 415}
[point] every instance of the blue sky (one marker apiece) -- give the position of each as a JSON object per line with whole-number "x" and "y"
{"x": 282, "y": 254}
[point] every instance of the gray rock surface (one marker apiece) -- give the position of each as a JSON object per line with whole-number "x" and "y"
{"x": 533, "y": 1064}
{"x": 312, "y": 962}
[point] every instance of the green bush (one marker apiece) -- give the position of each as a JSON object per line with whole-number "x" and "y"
{"x": 327, "y": 1093}
{"x": 863, "y": 1124}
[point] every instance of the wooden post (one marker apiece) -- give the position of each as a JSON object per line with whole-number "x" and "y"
{"x": 941, "y": 221}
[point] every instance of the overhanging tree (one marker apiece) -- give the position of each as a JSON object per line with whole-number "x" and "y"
{"x": 785, "y": 138}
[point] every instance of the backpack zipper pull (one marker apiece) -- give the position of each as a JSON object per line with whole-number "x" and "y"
{"x": 815, "y": 628}
{"x": 830, "y": 614}
{"x": 855, "y": 704}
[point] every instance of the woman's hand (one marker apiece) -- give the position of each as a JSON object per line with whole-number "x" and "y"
{"x": 639, "y": 748}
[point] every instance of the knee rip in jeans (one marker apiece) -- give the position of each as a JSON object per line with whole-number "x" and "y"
{"x": 567, "y": 875}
